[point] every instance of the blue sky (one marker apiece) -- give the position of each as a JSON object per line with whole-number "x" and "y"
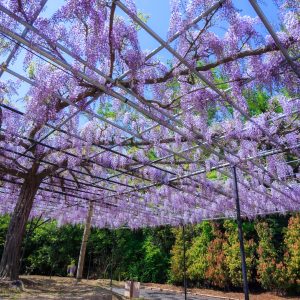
{"x": 159, "y": 12}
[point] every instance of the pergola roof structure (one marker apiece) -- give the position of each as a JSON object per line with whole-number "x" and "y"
{"x": 148, "y": 141}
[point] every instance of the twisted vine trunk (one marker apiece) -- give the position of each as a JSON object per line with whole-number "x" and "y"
{"x": 85, "y": 237}
{"x": 9, "y": 266}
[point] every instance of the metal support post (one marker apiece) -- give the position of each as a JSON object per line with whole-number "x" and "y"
{"x": 111, "y": 257}
{"x": 240, "y": 231}
{"x": 89, "y": 265}
{"x": 184, "y": 263}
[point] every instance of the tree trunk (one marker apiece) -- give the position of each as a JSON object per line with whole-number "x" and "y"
{"x": 85, "y": 237}
{"x": 9, "y": 266}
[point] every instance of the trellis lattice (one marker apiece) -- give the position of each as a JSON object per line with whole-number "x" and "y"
{"x": 149, "y": 142}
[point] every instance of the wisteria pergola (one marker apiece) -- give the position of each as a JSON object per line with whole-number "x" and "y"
{"x": 147, "y": 141}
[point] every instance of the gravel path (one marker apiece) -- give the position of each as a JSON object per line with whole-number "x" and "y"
{"x": 159, "y": 295}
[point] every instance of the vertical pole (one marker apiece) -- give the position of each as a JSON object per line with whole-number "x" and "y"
{"x": 111, "y": 273}
{"x": 240, "y": 231}
{"x": 131, "y": 289}
{"x": 184, "y": 263}
{"x": 111, "y": 257}
{"x": 89, "y": 267}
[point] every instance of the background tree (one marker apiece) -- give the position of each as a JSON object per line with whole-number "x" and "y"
{"x": 292, "y": 252}
{"x": 232, "y": 252}
{"x": 197, "y": 254}
{"x": 217, "y": 273}
{"x": 271, "y": 269}
{"x": 177, "y": 255}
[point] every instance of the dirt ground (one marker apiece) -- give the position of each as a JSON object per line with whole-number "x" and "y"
{"x": 42, "y": 287}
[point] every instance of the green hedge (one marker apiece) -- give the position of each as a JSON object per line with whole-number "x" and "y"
{"x": 272, "y": 248}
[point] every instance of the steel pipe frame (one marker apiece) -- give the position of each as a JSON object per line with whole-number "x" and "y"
{"x": 154, "y": 185}
{"x": 106, "y": 76}
{"x": 283, "y": 50}
{"x": 18, "y": 38}
{"x": 105, "y": 188}
{"x": 176, "y": 154}
{"x": 193, "y": 70}
{"x": 65, "y": 152}
{"x": 215, "y": 6}
{"x": 206, "y": 219}
{"x": 115, "y": 195}
{"x": 184, "y": 263}
{"x": 159, "y": 111}
{"x": 197, "y": 19}
{"x": 82, "y": 61}
{"x": 111, "y": 80}
{"x": 190, "y": 67}
{"x": 105, "y": 197}
{"x": 134, "y": 190}
{"x": 197, "y": 146}
{"x": 158, "y": 49}
{"x": 115, "y": 126}
{"x": 99, "y": 72}
{"x": 88, "y": 199}
{"x": 138, "y": 210}
{"x": 150, "y": 180}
